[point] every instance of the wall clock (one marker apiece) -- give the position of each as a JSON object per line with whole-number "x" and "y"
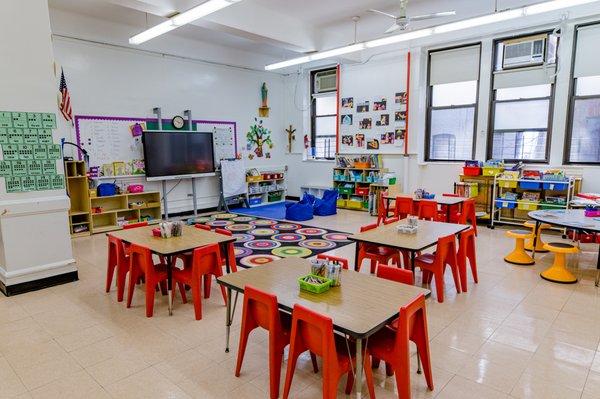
{"x": 178, "y": 122}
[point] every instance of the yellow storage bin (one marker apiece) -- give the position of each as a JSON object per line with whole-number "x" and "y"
{"x": 525, "y": 205}
{"x": 354, "y": 204}
{"x": 491, "y": 171}
{"x": 507, "y": 183}
{"x": 341, "y": 203}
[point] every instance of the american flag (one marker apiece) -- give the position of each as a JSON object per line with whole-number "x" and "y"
{"x": 65, "y": 98}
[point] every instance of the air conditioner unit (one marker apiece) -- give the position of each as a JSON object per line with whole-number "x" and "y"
{"x": 525, "y": 52}
{"x": 325, "y": 81}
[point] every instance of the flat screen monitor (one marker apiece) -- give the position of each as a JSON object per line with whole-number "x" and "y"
{"x": 170, "y": 155}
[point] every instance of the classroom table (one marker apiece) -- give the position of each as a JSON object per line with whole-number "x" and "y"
{"x": 190, "y": 239}
{"x": 426, "y": 236}
{"x": 573, "y": 219}
{"x": 360, "y": 307}
{"x": 448, "y": 201}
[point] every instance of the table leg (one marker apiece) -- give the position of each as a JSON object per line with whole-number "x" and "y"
{"x": 225, "y": 251}
{"x": 359, "y": 368}
{"x": 535, "y": 238}
{"x": 412, "y": 261}
{"x": 170, "y": 283}
{"x": 356, "y": 265}
{"x": 228, "y": 320}
{"x": 448, "y": 214}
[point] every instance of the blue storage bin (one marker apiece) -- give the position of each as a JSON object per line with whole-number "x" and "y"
{"x": 530, "y": 185}
{"x": 505, "y": 204}
{"x": 556, "y": 186}
{"x": 255, "y": 201}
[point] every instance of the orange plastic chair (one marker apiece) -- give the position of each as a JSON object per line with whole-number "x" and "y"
{"x": 118, "y": 260}
{"x": 396, "y": 274}
{"x": 202, "y": 227}
{"x": 331, "y": 258}
{"x": 428, "y": 210}
{"x": 404, "y": 207}
{"x": 434, "y": 265}
{"x": 454, "y": 209}
{"x": 134, "y": 225}
{"x": 382, "y": 215}
{"x": 261, "y": 310}
{"x": 186, "y": 257}
{"x": 392, "y": 345}
{"x": 313, "y": 332}
{"x": 375, "y": 253}
{"x": 141, "y": 264}
{"x": 467, "y": 214}
{"x": 206, "y": 261}
{"x": 466, "y": 250}
{"x": 230, "y": 250}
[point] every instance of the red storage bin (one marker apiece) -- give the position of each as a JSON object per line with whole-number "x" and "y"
{"x": 471, "y": 170}
{"x": 362, "y": 191}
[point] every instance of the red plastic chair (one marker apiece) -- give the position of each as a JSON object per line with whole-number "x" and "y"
{"x": 391, "y": 220}
{"x": 141, "y": 264}
{"x": 467, "y": 214}
{"x": 454, "y": 209}
{"x": 428, "y": 210}
{"x": 230, "y": 250}
{"x": 392, "y": 345}
{"x": 261, "y": 310}
{"x": 375, "y": 253}
{"x": 382, "y": 215}
{"x": 186, "y": 257}
{"x": 396, "y": 274}
{"x": 134, "y": 225}
{"x": 404, "y": 207}
{"x": 434, "y": 265}
{"x": 466, "y": 250}
{"x": 206, "y": 261}
{"x": 202, "y": 227}
{"x": 331, "y": 258}
{"x": 118, "y": 260}
{"x": 313, "y": 332}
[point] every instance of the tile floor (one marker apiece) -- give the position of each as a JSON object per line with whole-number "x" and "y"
{"x": 513, "y": 335}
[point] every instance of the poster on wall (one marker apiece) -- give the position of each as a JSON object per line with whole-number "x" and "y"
{"x": 373, "y": 144}
{"x": 401, "y": 98}
{"x": 348, "y": 102}
{"x": 384, "y": 120}
{"x": 347, "y": 140}
{"x": 400, "y": 116}
{"x": 346, "y": 120}
{"x": 360, "y": 140}
{"x": 363, "y": 106}
{"x": 387, "y": 138}
{"x": 380, "y": 105}
{"x": 365, "y": 123}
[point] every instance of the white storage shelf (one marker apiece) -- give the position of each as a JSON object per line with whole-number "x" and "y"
{"x": 258, "y": 192}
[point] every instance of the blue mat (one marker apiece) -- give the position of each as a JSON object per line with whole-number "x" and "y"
{"x": 275, "y": 211}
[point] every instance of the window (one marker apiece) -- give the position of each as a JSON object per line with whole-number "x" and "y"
{"x": 522, "y": 103}
{"x": 583, "y": 140}
{"x": 452, "y": 99}
{"x": 324, "y": 114}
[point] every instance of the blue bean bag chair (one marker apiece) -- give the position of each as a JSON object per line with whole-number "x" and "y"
{"x": 300, "y": 211}
{"x": 327, "y": 205}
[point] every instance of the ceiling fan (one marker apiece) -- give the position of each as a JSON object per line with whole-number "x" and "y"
{"x": 401, "y": 21}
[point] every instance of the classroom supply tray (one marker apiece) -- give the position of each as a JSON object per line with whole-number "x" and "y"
{"x": 315, "y": 288}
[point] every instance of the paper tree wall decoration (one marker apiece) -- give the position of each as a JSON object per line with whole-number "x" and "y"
{"x": 291, "y": 137}
{"x": 257, "y": 137}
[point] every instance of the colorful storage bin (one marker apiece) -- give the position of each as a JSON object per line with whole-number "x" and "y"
{"x": 526, "y": 205}
{"x": 505, "y": 204}
{"x": 362, "y": 191}
{"x": 255, "y": 201}
{"x": 530, "y": 185}
{"x": 471, "y": 170}
{"x": 341, "y": 203}
{"x": 492, "y": 171}
{"x": 556, "y": 186}
{"x": 352, "y": 204}
{"x": 507, "y": 183}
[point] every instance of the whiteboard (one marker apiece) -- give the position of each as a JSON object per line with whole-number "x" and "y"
{"x": 108, "y": 139}
{"x": 233, "y": 174}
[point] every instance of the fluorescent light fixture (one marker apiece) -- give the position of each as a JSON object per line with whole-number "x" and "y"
{"x": 184, "y": 18}
{"x": 451, "y": 27}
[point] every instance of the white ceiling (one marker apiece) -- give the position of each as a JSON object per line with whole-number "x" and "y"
{"x": 278, "y": 28}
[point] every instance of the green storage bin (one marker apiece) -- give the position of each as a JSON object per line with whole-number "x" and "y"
{"x": 346, "y": 190}
{"x": 314, "y": 288}
{"x": 275, "y": 197}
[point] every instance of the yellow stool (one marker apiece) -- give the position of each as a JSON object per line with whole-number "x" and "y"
{"x": 558, "y": 272}
{"x": 518, "y": 256}
{"x": 539, "y": 244}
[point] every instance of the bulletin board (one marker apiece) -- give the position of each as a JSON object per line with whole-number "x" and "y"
{"x": 109, "y": 139}
{"x": 29, "y": 154}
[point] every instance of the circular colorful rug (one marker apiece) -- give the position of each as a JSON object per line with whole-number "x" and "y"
{"x": 292, "y": 252}
{"x": 263, "y": 232}
{"x": 241, "y": 251}
{"x": 257, "y": 260}
{"x": 336, "y": 237}
{"x": 243, "y": 237}
{"x": 263, "y": 222}
{"x": 224, "y": 216}
{"x": 287, "y": 226}
{"x": 239, "y": 227}
{"x": 219, "y": 223}
{"x": 288, "y": 237}
{"x": 243, "y": 219}
{"x": 311, "y": 231}
{"x": 318, "y": 244}
{"x": 202, "y": 219}
{"x": 262, "y": 244}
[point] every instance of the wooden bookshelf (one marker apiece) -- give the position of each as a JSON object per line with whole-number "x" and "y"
{"x": 110, "y": 213}
{"x": 355, "y": 186}
{"x": 77, "y": 186}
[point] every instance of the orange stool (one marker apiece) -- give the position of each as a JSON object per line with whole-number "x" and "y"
{"x": 558, "y": 272}
{"x": 518, "y": 256}
{"x": 141, "y": 264}
{"x": 466, "y": 251}
{"x": 539, "y": 244}
{"x": 392, "y": 345}
{"x": 331, "y": 258}
{"x": 313, "y": 332}
{"x": 376, "y": 253}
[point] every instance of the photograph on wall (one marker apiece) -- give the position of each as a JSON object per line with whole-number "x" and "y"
{"x": 366, "y": 123}
{"x": 401, "y": 97}
{"x": 399, "y": 134}
{"x": 387, "y": 138}
{"x": 380, "y": 105}
{"x": 348, "y": 140}
{"x": 384, "y": 120}
{"x": 348, "y": 102}
{"x": 373, "y": 144}
{"x": 400, "y": 116}
{"x": 360, "y": 140}
{"x": 363, "y": 107}
{"x": 346, "y": 120}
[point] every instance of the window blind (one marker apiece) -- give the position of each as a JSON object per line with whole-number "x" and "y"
{"x": 456, "y": 65}
{"x": 586, "y": 56}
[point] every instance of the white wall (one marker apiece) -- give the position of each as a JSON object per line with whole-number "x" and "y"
{"x": 34, "y": 220}
{"x": 115, "y": 81}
